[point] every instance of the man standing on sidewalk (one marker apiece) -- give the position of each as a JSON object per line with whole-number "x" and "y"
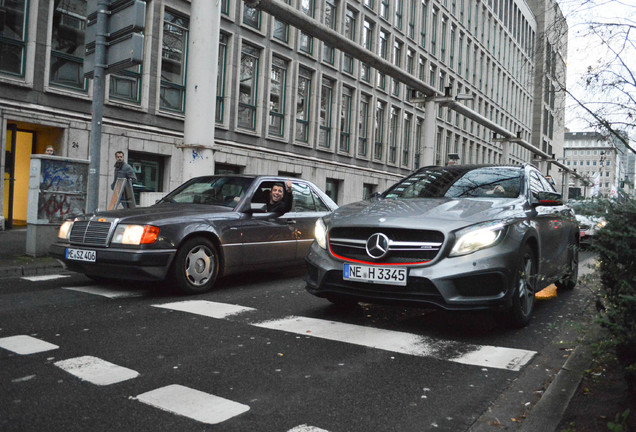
{"x": 123, "y": 170}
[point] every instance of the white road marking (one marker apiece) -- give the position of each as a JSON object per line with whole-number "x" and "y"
{"x": 194, "y": 404}
{"x": 23, "y": 344}
{"x": 96, "y": 371}
{"x": 305, "y": 428}
{"x": 389, "y": 340}
{"x": 108, "y": 292}
{"x": 404, "y": 343}
{"x": 44, "y": 277}
{"x": 207, "y": 308}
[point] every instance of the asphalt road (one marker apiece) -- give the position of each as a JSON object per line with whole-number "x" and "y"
{"x": 260, "y": 354}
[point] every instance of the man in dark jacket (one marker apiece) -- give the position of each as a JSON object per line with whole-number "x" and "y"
{"x": 280, "y": 198}
{"x": 123, "y": 170}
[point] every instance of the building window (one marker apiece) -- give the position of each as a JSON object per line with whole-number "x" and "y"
{"x": 330, "y": 21}
{"x": 367, "y": 42}
{"x": 423, "y": 23}
{"x": 306, "y": 41}
{"x": 302, "y": 104}
{"x": 326, "y": 97}
{"x": 174, "y": 46}
{"x": 443, "y": 42}
{"x": 417, "y": 158}
{"x": 393, "y": 135}
{"x": 384, "y": 9}
{"x": 399, "y": 12}
{"x": 281, "y": 29}
{"x": 13, "y": 37}
{"x": 67, "y": 45}
{"x": 126, "y": 85}
{"x": 351, "y": 19}
{"x": 220, "y": 78}
{"x": 248, "y": 87}
{"x": 278, "y": 80}
{"x": 345, "y": 119}
{"x": 149, "y": 171}
{"x": 406, "y": 140}
{"x": 412, "y": 12}
{"x": 251, "y": 17}
{"x": 397, "y": 61}
{"x": 368, "y": 190}
{"x": 434, "y": 32}
{"x": 332, "y": 189}
{"x": 363, "y": 125}
{"x": 379, "y": 130}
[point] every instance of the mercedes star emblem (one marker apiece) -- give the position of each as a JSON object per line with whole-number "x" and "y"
{"x": 377, "y": 245}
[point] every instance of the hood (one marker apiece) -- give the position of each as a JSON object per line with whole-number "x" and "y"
{"x": 161, "y": 213}
{"x": 444, "y": 214}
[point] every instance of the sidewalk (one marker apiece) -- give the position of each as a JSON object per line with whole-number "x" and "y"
{"x": 15, "y": 262}
{"x": 544, "y": 416}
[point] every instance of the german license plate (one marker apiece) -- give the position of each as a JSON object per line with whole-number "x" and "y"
{"x": 384, "y": 275}
{"x": 81, "y": 255}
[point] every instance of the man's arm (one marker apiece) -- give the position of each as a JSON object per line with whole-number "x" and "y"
{"x": 288, "y": 198}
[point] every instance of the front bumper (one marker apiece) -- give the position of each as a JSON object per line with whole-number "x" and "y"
{"x": 112, "y": 263}
{"x": 478, "y": 281}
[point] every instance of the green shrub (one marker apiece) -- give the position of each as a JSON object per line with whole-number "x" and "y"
{"x": 616, "y": 247}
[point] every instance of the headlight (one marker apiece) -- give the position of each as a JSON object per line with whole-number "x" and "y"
{"x": 65, "y": 230}
{"x": 135, "y": 234}
{"x": 476, "y": 237}
{"x": 320, "y": 233}
{"x": 601, "y": 224}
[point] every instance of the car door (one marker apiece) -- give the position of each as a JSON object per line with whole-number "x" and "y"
{"x": 306, "y": 208}
{"x": 267, "y": 238}
{"x": 553, "y": 229}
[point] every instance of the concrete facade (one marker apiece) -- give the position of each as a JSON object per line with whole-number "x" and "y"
{"x": 286, "y": 103}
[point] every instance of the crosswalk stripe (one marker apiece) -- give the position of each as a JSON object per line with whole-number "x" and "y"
{"x": 194, "y": 404}
{"x": 389, "y": 340}
{"x": 108, "y": 292}
{"x": 96, "y": 371}
{"x": 23, "y": 344}
{"x": 44, "y": 277}
{"x": 306, "y": 428}
{"x": 207, "y": 308}
{"x": 404, "y": 343}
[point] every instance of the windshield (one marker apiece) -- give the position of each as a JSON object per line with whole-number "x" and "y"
{"x": 221, "y": 190}
{"x": 460, "y": 182}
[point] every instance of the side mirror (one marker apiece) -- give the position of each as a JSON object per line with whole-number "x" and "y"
{"x": 256, "y": 208}
{"x": 548, "y": 199}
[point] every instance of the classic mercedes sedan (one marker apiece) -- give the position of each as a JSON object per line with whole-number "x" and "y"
{"x": 208, "y": 227}
{"x": 458, "y": 238}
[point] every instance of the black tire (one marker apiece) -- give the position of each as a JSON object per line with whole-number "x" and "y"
{"x": 523, "y": 288}
{"x": 572, "y": 274}
{"x": 196, "y": 266}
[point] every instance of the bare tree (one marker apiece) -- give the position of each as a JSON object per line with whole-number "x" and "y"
{"x": 605, "y": 93}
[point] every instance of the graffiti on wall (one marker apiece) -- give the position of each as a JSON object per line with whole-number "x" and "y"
{"x": 63, "y": 186}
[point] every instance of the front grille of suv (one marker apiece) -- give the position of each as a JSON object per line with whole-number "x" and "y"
{"x": 90, "y": 233}
{"x": 406, "y": 246}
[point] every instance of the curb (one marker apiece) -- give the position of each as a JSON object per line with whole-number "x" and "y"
{"x": 29, "y": 270}
{"x": 548, "y": 412}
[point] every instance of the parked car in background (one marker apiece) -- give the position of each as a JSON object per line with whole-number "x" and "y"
{"x": 208, "y": 227}
{"x": 460, "y": 237}
{"x": 589, "y": 221}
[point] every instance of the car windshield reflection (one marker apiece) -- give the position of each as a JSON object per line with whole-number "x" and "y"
{"x": 455, "y": 182}
{"x": 220, "y": 191}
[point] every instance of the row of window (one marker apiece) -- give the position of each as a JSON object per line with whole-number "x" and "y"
{"x": 588, "y": 163}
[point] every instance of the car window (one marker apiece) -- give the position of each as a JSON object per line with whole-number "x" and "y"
{"x": 303, "y": 199}
{"x": 223, "y": 191}
{"x": 320, "y": 205}
{"x": 459, "y": 182}
{"x": 535, "y": 183}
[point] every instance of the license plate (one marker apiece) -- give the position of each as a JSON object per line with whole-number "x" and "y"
{"x": 81, "y": 255}
{"x": 384, "y": 275}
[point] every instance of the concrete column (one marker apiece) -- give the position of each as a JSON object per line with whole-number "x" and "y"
{"x": 430, "y": 133}
{"x": 505, "y": 152}
{"x": 203, "y": 64}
